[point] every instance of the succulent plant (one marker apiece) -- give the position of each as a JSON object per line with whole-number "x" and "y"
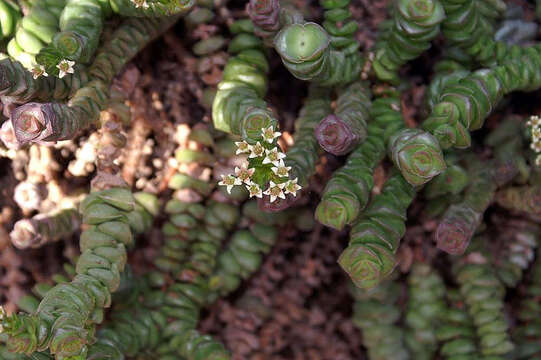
{"x": 356, "y": 142}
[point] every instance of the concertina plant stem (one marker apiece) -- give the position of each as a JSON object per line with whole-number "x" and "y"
{"x": 55, "y": 80}
{"x": 35, "y": 122}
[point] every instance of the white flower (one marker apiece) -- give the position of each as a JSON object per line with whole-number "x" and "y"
{"x": 243, "y": 147}
{"x": 140, "y": 3}
{"x": 538, "y": 160}
{"x": 536, "y": 134}
{"x": 229, "y": 181}
{"x": 275, "y": 191}
{"x": 257, "y": 150}
{"x": 273, "y": 156}
{"x": 254, "y": 190}
{"x": 291, "y": 187}
{"x": 2, "y": 315}
{"x": 269, "y": 134}
{"x": 244, "y": 174}
{"x": 534, "y": 121}
{"x": 39, "y": 70}
{"x": 65, "y": 67}
{"x": 281, "y": 169}
{"x": 536, "y": 146}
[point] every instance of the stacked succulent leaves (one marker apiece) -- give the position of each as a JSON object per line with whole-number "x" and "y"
{"x": 55, "y": 80}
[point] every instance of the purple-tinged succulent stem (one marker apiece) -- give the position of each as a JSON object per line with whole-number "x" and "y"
{"x": 265, "y": 14}
{"x": 336, "y": 136}
{"x": 456, "y": 229}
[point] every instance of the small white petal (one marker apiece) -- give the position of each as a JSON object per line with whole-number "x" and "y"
{"x": 242, "y": 147}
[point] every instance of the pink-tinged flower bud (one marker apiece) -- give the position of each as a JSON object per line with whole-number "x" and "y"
{"x": 336, "y": 136}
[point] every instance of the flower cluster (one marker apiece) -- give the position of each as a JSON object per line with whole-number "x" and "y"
{"x": 140, "y": 3}
{"x": 264, "y": 168}
{"x": 535, "y": 124}
{"x": 64, "y": 67}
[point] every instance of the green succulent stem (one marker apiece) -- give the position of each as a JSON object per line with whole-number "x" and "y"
{"x": 464, "y": 105}
{"x": 304, "y": 154}
{"x": 238, "y": 106}
{"x": 460, "y": 220}
{"x": 526, "y": 198}
{"x": 348, "y": 191}
{"x": 469, "y": 26}
{"x": 520, "y": 239}
{"x": 375, "y": 236}
{"x": 80, "y": 25}
{"x": 426, "y": 304}
{"x": 376, "y": 312}
{"x": 417, "y": 155}
{"x": 36, "y": 122}
{"x": 65, "y": 319}
{"x": 342, "y": 132}
{"x": 528, "y": 333}
{"x": 35, "y": 31}
{"x": 18, "y": 85}
{"x": 452, "y": 181}
{"x": 306, "y": 51}
{"x": 484, "y": 294}
{"x": 243, "y": 254}
{"x": 415, "y": 24}
{"x": 10, "y": 15}
{"x": 45, "y": 228}
{"x": 455, "y": 331}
